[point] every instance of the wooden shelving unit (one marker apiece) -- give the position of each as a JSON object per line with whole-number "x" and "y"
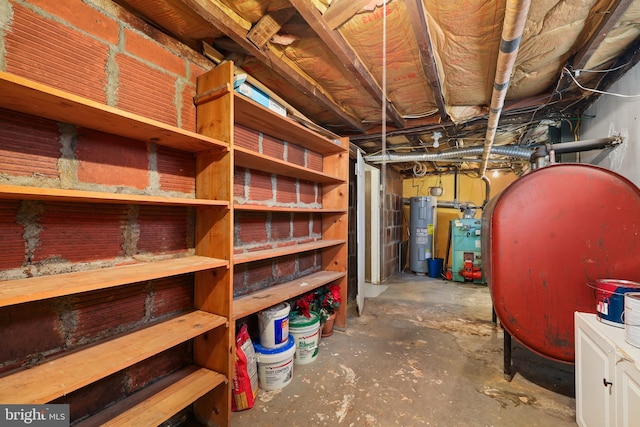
{"x": 43, "y": 287}
{"x": 333, "y": 181}
{"x": 252, "y": 160}
{"x": 78, "y": 369}
{"x": 266, "y": 208}
{"x": 254, "y": 116}
{"x": 26, "y": 96}
{"x": 210, "y": 327}
{"x": 158, "y": 402}
{"x": 285, "y": 250}
{"x": 249, "y": 304}
{"x": 205, "y": 383}
{"x": 18, "y": 192}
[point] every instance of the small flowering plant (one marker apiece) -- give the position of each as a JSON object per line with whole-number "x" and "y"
{"x": 323, "y": 300}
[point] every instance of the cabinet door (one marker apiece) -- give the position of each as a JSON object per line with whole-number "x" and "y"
{"x": 595, "y": 360}
{"x": 628, "y": 394}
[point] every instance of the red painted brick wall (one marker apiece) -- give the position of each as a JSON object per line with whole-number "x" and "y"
{"x": 37, "y": 330}
{"x": 97, "y": 50}
{"x": 82, "y": 49}
{"x": 263, "y": 230}
{"x": 98, "y": 164}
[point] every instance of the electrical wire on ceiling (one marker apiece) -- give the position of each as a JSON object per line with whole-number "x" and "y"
{"x": 602, "y": 92}
{"x": 587, "y": 70}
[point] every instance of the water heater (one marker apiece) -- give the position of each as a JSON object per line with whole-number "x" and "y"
{"x": 422, "y": 228}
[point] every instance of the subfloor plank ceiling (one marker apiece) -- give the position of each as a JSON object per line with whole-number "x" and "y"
{"x": 470, "y": 79}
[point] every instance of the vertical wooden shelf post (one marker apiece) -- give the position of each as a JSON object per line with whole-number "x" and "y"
{"x": 214, "y": 238}
{"x": 336, "y": 196}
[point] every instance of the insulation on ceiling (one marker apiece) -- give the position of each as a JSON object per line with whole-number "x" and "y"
{"x": 618, "y": 40}
{"x": 407, "y": 85}
{"x": 548, "y": 41}
{"x": 464, "y": 36}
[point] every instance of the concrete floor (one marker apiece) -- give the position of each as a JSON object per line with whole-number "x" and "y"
{"x": 424, "y": 353}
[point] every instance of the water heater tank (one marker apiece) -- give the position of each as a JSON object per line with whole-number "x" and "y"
{"x": 547, "y": 239}
{"x": 421, "y": 228}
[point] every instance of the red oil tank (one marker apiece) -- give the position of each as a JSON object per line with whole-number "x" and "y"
{"x": 546, "y": 239}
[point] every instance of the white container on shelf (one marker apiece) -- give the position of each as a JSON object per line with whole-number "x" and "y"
{"x": 273, "y": 324}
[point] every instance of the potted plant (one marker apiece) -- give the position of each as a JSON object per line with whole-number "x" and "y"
{"x": 328, "y": 300}
{"x": 324, "y": 301}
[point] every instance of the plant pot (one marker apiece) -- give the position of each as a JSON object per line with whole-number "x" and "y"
{"x": 327, "y": 328}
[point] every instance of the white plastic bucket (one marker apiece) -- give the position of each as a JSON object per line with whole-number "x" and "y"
{"x": 274, "y": 325}
{"x": 306, "y": 332}
{"x": 275, "y": 365}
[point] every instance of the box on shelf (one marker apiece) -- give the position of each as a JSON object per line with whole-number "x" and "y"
{"x": 252, "y": 92}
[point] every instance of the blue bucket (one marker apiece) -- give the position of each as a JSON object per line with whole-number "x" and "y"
{"x": 434, "y": 266}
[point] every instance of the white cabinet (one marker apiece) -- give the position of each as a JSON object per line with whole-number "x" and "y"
{"x": 628, "y": 403}
{"x": 607, "y": 375}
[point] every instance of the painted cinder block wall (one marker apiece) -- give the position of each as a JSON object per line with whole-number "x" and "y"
{"x": 96, "y": 49}
{"x": 391, "y": 224}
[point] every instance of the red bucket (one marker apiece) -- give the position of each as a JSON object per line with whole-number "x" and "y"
{"x": 610, "y": 299}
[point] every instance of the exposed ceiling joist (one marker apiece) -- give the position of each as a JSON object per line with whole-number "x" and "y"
{"x": 622, "y": 65}
{"x": 340, "y": 11}
{"x": 343, "y": 51}
{"x": 211, "y": 12}
{"x": 420, "y": 29}
{"x": 609, "y": 20}
{"x": 319, "y": 56}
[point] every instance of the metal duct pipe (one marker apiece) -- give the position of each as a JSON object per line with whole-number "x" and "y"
{"x": 573, "y": 147}
{"x": 586, "y": 145}
{"x": 487, "y": 191}
{"x": 448, "y": 204}
{"x": 502, "y": 150}
{"x": 514, "y": 21}
{"x": 505, "y": 150}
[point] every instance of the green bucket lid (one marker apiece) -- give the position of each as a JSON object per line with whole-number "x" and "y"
{"x": 297, "y": 320}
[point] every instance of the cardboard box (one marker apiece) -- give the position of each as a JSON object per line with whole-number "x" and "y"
{"x": 260, "y": 97}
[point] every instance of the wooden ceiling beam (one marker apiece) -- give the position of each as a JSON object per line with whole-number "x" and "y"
{"x": 609, "y": 20}
{"x": 416, "y": 12}
{"x": 211, "y": 11}
{"x": 336, "y": 44}
{"x": 512, "y": 110}
{"x": 340, "y": 11}
{"x": 611, "y": 16}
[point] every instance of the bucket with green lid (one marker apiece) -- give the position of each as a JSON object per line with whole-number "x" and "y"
{"x": 306, "y": 333}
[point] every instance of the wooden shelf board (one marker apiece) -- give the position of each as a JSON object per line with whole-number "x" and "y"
{"x": 160, "y": 401}
{"x": 284, "y": 250}
{"x": 253, "y": 115}
{"x": 265, "y": 298}
{"x": 55, "y": 378}
{"x": 253, "y": 160}
{"x": 43, "y": 287}
{"x": 264, "y": 208}
{"x": 27, "y": 96}
{"x": 63, "y": 195}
